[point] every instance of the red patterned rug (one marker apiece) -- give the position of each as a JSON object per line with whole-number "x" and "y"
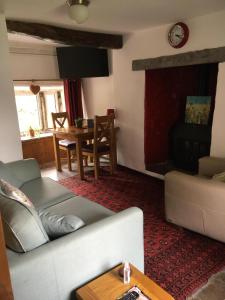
{"x": 179, "y": 260}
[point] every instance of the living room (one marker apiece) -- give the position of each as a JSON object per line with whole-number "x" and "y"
{"x": 124, "y": 89}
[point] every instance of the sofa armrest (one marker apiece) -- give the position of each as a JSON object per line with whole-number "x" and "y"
{"x": 25, "y": 169}
{"x": 67, "y": 263}
{"x": 209, "y": 165}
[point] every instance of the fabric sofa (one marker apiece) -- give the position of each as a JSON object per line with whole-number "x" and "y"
{"x": 197, "y": 202}
{"x": 56, "y": 269}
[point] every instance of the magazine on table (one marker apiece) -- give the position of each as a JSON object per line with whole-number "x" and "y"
{"x": 133, "y": 294}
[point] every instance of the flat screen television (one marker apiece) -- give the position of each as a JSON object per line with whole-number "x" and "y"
{"x": 81, "y": 62}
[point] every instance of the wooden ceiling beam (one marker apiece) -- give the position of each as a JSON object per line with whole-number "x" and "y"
{"x": 66, "y": 36}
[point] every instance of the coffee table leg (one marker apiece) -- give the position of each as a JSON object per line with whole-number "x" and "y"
{"x": 80, "y": 159}
{"x": 57, "y": 153}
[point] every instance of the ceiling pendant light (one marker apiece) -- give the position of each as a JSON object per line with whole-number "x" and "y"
{"x": 78, "y": 10}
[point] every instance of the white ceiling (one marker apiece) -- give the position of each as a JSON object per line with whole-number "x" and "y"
{"x": 112, "y": 16}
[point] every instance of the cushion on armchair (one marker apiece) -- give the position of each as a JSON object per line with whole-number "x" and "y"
{"x": 219, "y": 176}
{"x": 22, "y": 226}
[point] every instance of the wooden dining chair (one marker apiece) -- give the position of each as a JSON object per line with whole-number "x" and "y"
{"x": 59, "y": 120}
{"x": 103, "y": 142}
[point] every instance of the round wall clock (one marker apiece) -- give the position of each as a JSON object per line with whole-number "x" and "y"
{"x": 178, "y": 35}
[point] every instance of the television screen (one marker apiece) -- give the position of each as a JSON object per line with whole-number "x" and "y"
{"x": 81, "y": 62}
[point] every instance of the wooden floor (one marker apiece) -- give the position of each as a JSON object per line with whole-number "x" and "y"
{"x": 49, "y": 170}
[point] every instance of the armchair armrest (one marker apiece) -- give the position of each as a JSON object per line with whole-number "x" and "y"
{"x": 25, "y": 169}
{"x": 65, "y": 264}
{"x": 203, "y": 192}
{"x": 209, "y": 165}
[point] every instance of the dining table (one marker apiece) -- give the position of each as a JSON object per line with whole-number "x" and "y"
{"x": 79, "y": 135}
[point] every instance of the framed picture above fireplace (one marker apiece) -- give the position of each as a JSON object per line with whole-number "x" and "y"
{"x": 197, "y": 110}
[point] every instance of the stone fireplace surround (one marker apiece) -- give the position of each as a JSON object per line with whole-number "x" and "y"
{"x": 214, "y": 55}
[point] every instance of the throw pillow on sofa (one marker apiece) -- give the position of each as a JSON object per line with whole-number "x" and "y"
{"x": 56, "y": 225}
{"x": 219, "y": 176}
{"x": 14, "y": 193}
{"x": 22, "y": 226}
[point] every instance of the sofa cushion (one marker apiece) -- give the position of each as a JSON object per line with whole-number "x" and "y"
{"x": 22, "y": 226}
{"x": 45, "y": 192}
{"x": 219, "y": 177}
{"x": 59, "y": 225}
{"x": 7, "y": 175}
{"x": 89, "y": 211}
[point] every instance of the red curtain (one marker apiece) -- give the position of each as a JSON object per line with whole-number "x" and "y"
{"x": 166, "y": 91}
{"x": 73, "y": 99}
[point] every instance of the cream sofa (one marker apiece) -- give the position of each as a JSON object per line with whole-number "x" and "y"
{"x": 197, "y": 202}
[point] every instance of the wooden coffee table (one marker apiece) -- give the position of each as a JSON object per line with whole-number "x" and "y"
{"x": 110, "y": 286}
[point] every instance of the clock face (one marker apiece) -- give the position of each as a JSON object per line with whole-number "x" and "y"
{"x": 178, "y": 35}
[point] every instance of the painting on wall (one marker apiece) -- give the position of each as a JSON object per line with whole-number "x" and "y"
{"x": 197, "y": 109}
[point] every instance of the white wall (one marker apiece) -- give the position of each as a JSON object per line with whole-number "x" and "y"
{"x": 98, "y": 95}
{"x": 128, "y": 86}
{"x": 33, "y": 62}
{"x": 218, "y": 130}
{"x": 10, "y": 148}
{"x": 28, "y": 66}
{"x": 98, "y": 92}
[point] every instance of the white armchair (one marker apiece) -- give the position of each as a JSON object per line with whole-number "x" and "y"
{"x": 197, "y": 202}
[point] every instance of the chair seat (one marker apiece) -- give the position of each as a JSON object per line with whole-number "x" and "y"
{"x": 68, "y": 144}
{"x": 90, "y": 148}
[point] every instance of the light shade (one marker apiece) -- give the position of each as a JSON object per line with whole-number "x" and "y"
{"x": 78, "y": 12}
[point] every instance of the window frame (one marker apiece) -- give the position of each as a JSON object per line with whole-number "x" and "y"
{"x": 55, "y": 88}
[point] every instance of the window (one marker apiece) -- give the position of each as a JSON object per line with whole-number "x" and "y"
{"x": 35, "y": 110}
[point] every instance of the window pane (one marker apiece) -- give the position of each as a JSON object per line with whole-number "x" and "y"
{"x": 63, "y": 106}
{"x": 50, "y": 107}
{"x": 54, "y": 104}
{"x": 27, "y": 110}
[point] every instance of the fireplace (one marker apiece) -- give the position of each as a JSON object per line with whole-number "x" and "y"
{"x": 170, "y": 143}
{"x": 189, "y": 142}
